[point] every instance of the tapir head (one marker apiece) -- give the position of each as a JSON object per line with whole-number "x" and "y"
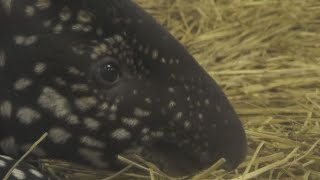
{"x": 103, "y": 78}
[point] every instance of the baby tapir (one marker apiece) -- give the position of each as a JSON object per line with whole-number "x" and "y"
{"x": 103, "y": 78}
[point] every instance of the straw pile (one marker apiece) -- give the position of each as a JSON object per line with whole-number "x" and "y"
{"x": 265, "y": 54}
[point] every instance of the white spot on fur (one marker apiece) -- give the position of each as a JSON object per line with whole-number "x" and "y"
{"x": 157, "y": 134}
{"x": 60, "y": 81}
{"x": 7, "y": 5}
{"x": 2, "y": 58}
{"x": 74, "y": 71}
{"x": 86, "y": 103}
{"x": 121, "y": 134}
{"x": 36, "y": 173}
{"x": 100, "y": 49}
{"x": 25, "y": 40}
{"x": 172, "y": 104}
{"x": 84, "y": 16}
{"x": 118, "y": 38}
{"x": 171, "y": 89}
{"x": 29, "y": 11}
{"x": 6, "y": 109}
{"x": 8, "y": 145}
{"x": 200, "y": 116}
{"x": 163, "y": 60}
{"x": 65, "y": 14}
{"x": 3, "y": 163}
{"x": 113, "y": 108}
{"x": 80, "y": 88}
{"x": 206, "y": 101}
{"x": 27, "y": 115}
{"x": 145, "y": 130}
{"x": 104, "y": 106}
{"x": 187, "y": 124}
{"x": 171, "y": 61}
{"x": 135, "y": 92}
{"x": 91, "y": 123}
{"x": 57, "y": 29}
{"x": 19, "y": 40}
{"x": 51, "y": 100}
{"x": 18, "y": 174}
{"x": 132, "y": 122}
{"x": 72, "y": 119}
{"x": 138, "y": 112}
{"x": 30, "y": 40}
{"x": 22, "y": 84}
{"x": 59, "y": 135}
{"x": 43, "y": 4}
{"x": 155, "y": 54}
{"x": 93, "y": 157}
{"x": 90, "y": 141}
{"x": 179, "y": 115}
{"x": 148, "y": 100}
{"x": 39, "y": 68}
{"x": 6, "y": 157}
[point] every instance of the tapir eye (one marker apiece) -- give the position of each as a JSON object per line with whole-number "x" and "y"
{"x": 107, "y": 71}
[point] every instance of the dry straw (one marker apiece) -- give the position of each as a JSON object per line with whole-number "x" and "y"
{"x": 265, "y": 54}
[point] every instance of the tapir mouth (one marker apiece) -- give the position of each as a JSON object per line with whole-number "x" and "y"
{"x": 173, "y": 160}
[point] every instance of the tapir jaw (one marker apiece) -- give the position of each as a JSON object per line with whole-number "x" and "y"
{"x": 205, "y": 129}
{"x": 196, "y": 140}
{"x": 184, "y": 161}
